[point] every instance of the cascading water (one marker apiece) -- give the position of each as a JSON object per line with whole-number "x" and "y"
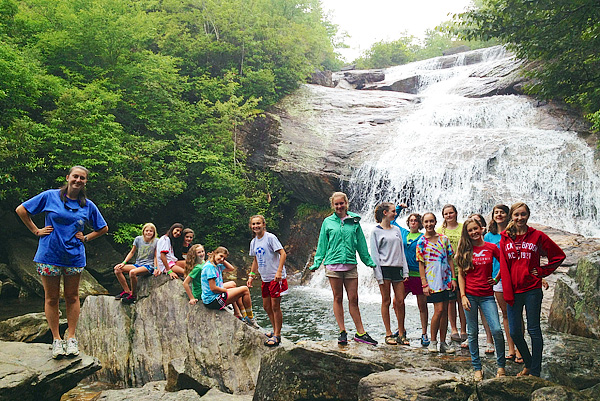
{"x": 474, "y": 153}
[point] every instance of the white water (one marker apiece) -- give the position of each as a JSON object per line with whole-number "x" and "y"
{"x": 474, "y": 153}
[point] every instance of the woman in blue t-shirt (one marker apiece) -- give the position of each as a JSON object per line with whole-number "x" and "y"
{"x": 61, "y": 249}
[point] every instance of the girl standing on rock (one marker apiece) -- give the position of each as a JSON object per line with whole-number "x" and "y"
{"x": 410, "y": 238}
{"x": 61, "y": 249}
{"x": 269, "y": 259}
{"x": 497, "y": 225}
{"x": 452, "y": 229}
{"x": 436, "y": 267}
{"x": 391, "y": 270}
{"x": 340, "y": 238}
{"x": 144, "y": 247}
{"x": 520, "y": 248}
{"x": 165, "y": 256}
{"x": 474, "y": 259}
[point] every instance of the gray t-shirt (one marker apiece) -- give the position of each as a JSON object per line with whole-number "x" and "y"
{"x": 145, "y": 251}
{"x": 265, "y": 249}
{"x": 387, "y": 248}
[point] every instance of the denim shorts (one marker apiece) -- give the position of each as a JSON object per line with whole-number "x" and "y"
{"x": 45, "y": 269}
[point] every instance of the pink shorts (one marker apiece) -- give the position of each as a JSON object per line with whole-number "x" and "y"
{"x": 274, "y": 289}
{"x": 413, "y": 284}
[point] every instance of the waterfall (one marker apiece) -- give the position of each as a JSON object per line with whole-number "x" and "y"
{"x": 475, "y": 153}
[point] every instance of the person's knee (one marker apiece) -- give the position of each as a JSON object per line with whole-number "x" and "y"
{"x": 52, "y": 300}
{"x": 71, "y": 298}
{"x": 386, "y": 301}
{"x": 132, "y": 274}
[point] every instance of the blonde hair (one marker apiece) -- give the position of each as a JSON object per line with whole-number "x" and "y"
{"x": 337, "y": 195}
{"x": 256, "y": 216}
{"x": 220, "y": 249}
{"x": 149, "y": 225}
{"x": 445, "y": 223}
{"x": 464, "y": 253}
{"x": 511, "y": 230}
{"x": 192, "y": 259}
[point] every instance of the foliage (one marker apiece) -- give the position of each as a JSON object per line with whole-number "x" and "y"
{"x": 148, "y": 95}
{"x": 385, "y": 54}
{"x": 563, "y": 34}
{"x": 126, "y": 233}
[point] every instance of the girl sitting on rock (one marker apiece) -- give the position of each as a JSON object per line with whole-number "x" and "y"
{"x": 436, "y": 267}
{"x": 215, "y": 295}
{"x": 165, "y": 256}
{"x": 474, "y": 259}
{"x": 144, "y": 249}
{"x": 391, "y": 270}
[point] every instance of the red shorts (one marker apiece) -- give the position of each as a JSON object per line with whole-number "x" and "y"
{"x": 274, "y": 289}
{"x": 413, "y": 284}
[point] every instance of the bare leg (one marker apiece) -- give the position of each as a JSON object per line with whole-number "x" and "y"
{"x": 399, "y": 305}
{"x": 71, "y": 290}
{"x": 385, "y": 305}
{"x": 133, "y": 275}
{"x": 51, "y": 297}
{"x": 436, "y": 320}
{"x": 452, "y": 316}
{"x": 423, "y": 312}
{"x": 337, "y": 286}
{"x": 277, "y": 315}
{"x": 444, "y": 322}
{"x": 463, "y": 319}
{"x": 267, "y": 306}
{"x": 121, "y": 277}
{"x": 351, "y": 285}
{"x": 177, "y": 268}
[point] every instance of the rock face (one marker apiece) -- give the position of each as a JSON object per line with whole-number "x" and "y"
{"x": 29, "y": 328}
{"x": 322, "y": 78}
{"x": 136, "y": 343}
{"x": 20, "y": 256}
{"x": 576, "y": 305}
{"x": 154, "y": 391}
{"x": 28, "y": 372}
{"x": 357, "y": 79}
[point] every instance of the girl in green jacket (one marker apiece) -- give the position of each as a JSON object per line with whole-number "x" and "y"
{"x": 340, "y": 238}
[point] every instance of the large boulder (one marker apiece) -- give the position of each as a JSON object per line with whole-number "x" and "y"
{"x": 28, "y": 372}
{"x": 153, "y": 391}
{"x": 357, "y": 79}
{"x": 323, "y": 78}
{"x": 20, "y": 260}
{"x": 137, "y": 343}
{"x": 576, "y": 305}
{"x": 510, "y": 388}
{"x": 29, "y": 328}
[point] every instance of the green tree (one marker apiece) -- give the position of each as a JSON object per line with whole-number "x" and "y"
{"x": 385, "y": 54}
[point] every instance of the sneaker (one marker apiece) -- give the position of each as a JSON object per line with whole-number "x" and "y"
{"x": 365, "y": 338}
{"x": 72, "y": 347}
{"x": 343, "y": 338}
{"x": 58, "y": 349}
{"x": 424, "y": 340}
{"x": 432, "y": 348}
{"x": 250, "y": 322}
{"x": 122, "y": 295}
{"x": 129, "y": 299}
{"x": 446, "y": 349}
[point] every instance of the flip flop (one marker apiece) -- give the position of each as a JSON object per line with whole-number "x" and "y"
{"x": 524, "y": 372}
{"x": 511, "y": 357}
{"x": 455, "y": 337}
{"x": 273, "y": 341}
{"x": 464, "y": 337}
{"x": 519, "y": 360}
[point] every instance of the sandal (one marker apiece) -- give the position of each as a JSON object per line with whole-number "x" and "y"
{"x": 464, "y": 337}
{"x": 455, "y": 337}
{"x": 269, "y": 334}
{"x": 478, "y": 376}
{"x": 519, "y": 360}
{"x": 501, "y": 372}
{"x": 391, "y": 340}
{"x": 404, "y": 341}
{"x": 511, "y": 357}
{"x": 273, "y": 341}
{"x": 524, "y": 372}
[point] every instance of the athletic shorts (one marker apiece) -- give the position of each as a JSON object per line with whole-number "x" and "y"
{"x": 274, "y": 289}
{"x": 148, "y": 267}
{"x": 438, "y": 297}
{"x": 45, "y": 269}
{"x": 392, "y": 273}
{"x": 413, "y": 284}
{"x": 352, "y": 273}
{"x": 219, "y": 302}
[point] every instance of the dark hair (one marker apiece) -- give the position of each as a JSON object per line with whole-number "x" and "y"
{"x": 176, "y": 243}
{"x": 445, "y": 224}
{"x": 416, "y": 216}
{"x": 481, "y": 220}
{"x": 379, "y": 209}
{"x": 81, "y": 198}
{"x": 464, "y": 253}
{"x": 431, "y": 213}
{"x": 511, "y": 230}
{"x": 493, "y": 227}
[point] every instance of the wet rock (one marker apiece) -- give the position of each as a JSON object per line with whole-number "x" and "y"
{"x": 20, "y": 256}
{"x": 576, "y": 305}
{"x": 406, "y": 85}
{"x": 29, "y": 328}
{"x": 414, "y": 384}
{"x": 28, "y": 372}
{"x": 510, "y": 388}
{"x": 216, "y": 395}
{"x": 456, "y": 50}
{"x": 322, "y": 78}
{"x": 357, "y": 79}
{"x": 136, "y": 343}
{"x": 153, "y": 391}
{"x": 499, "y": 78}
{"x": 557, "y": 393}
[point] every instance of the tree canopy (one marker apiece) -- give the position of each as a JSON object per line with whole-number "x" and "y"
{"x": 148, "y": 94}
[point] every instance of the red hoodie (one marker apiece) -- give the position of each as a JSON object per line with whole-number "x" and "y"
{"x": 516, "y": 262}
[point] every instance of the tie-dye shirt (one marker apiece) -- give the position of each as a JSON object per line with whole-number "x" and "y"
{"x": 435, "y": 257}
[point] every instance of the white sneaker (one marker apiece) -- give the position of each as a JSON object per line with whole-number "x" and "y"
{"x": 447, "y": 349}
{"x": 72, "y": 347}
{"x": 432, "y": 348}
{"x": 58, "y": 349}
{"x": 250, "y": 322}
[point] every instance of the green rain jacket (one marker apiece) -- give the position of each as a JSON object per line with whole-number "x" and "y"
{"x": 340, "y": 240}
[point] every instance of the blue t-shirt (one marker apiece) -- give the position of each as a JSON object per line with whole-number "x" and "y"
{"x": 410, "y": 250}
{"x": 209, "y": 271}
{"x": 494, "y": 239}
{"x": 60, "y": 247}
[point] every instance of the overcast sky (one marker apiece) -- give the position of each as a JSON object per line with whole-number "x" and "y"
{"x": 369, "y": 21}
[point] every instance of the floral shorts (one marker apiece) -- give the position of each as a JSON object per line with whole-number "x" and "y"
{"x": 45, "y": 269}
